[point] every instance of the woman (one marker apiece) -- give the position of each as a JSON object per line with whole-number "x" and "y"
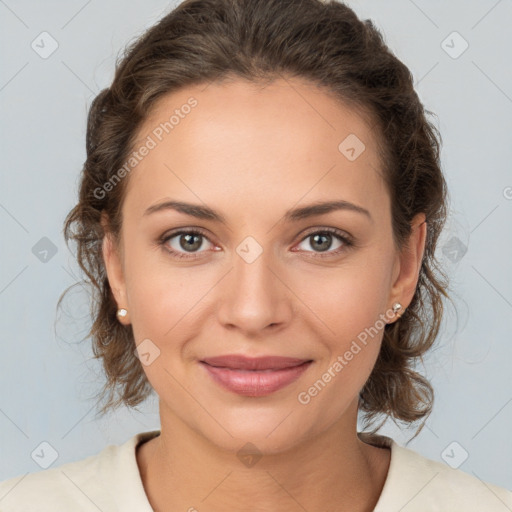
{"x": 259, "y": 211}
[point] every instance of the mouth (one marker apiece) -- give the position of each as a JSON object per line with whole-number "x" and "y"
{"x": 254, "y": 376}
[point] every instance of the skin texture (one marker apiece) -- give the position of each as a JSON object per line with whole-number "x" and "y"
{"x": 251, "y": 153}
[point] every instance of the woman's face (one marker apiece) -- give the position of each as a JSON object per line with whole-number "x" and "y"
{"x": 263, "y": 280}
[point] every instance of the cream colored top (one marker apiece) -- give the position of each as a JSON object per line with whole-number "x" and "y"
{"x": 110, "y": 481}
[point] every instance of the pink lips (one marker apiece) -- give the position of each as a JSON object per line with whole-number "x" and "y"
{"x": 254, "y": 376}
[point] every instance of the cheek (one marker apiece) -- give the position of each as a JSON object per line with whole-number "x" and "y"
{"x": 351, "y": 351}
{"x": 162, "y": 309}
{"x": 347, "y": 300}
{"x": 167, "y": 304}
{"x": 349, "y": 309}
{"x": 155, "y": 292}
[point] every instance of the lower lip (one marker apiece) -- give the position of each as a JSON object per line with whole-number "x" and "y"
{"x": 255, "y": 383}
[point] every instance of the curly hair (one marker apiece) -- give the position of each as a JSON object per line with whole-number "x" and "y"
{"x": 325, "y": 43}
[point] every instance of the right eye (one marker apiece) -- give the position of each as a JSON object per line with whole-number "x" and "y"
{"x": 187, "y": 240}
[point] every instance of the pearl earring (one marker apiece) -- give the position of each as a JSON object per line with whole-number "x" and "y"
{"x": 121, "y": 312}
{"x": 397, "y": 307}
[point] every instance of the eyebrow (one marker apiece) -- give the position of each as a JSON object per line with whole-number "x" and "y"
{"x": 304, "y": 212}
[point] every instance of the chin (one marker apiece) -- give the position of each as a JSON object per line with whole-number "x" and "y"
{"x": 270, "y": 431}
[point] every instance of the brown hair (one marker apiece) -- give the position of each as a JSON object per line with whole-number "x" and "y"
{"x": 326, "y": 44}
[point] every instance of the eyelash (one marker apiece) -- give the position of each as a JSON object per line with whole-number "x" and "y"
{"x": 348, "y": 242}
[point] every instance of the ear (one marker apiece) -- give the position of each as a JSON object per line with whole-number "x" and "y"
{"x": 408, "y": 263}
{"x": 114, "y": 268}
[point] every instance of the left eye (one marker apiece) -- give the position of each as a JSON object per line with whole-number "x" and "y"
{"x": 322, "y": 241}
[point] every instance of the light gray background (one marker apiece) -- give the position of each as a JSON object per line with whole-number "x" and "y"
{"x": 47, "y": 377}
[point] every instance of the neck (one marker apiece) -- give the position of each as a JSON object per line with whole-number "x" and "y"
{"x": 335, "y": 470}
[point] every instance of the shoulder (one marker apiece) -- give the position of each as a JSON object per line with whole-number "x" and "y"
{"x": 415, "y": 483}
{"x": 94, "y": 483}
{"x": 71, "y": 485}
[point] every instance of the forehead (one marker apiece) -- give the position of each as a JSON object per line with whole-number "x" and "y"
{"x": 255, "y": 145}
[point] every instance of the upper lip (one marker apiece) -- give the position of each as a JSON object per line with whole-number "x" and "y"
{"x": 240, "y": 362}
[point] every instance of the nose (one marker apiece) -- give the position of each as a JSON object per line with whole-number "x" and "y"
{"x": 254, "y": 297}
